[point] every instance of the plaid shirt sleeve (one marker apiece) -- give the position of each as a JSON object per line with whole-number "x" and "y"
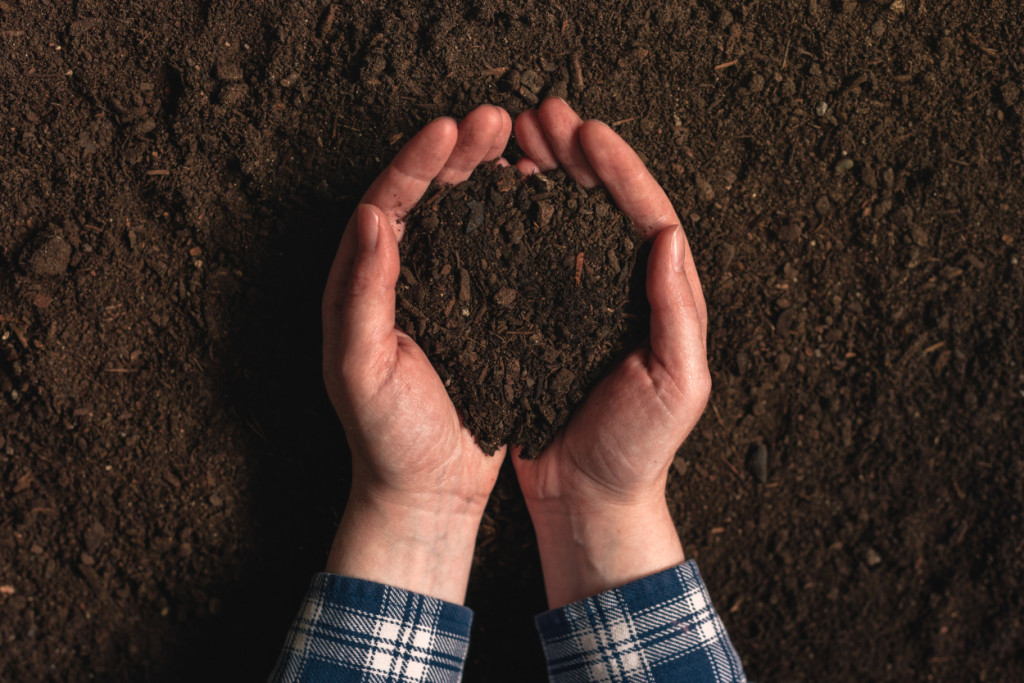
{"x": 660, "y": 628}
{"x": 353, "y": 630}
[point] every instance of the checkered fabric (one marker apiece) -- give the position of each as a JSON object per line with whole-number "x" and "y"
{"x": 352, "y": 630}
{"x": 660, "y": 628}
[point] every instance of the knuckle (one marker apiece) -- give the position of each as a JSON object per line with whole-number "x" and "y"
{"x": 702, "y": 379}
{"x": 702, "y": 385}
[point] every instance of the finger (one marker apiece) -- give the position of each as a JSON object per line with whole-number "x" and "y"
{"x": 478, "y": 133}
{"x": 532, "y": 141}
{"x": 397, "y": 189}
{"x": 367, "y": 302}
{"x": 677, "y": 331}
{"x": 632, "y": 186}
{"x": 527, "y": 166}
{"x": 635, "y": 191}
{"x": 501, "y": 139}
{"x": 561, "y": 126}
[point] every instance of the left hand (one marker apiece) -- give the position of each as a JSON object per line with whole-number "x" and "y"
{"x": 419, "y": 481}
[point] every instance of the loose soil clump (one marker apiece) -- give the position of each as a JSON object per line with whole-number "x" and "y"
{"x": 522, "y": 291}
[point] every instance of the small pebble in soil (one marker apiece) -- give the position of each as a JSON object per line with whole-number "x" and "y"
{"x": 1010, "y": 93}
{"x": 233, "y": 93}
{"x": 843, "y": 165}
{"x": 48, "y": 256}
{"x": 757, "y": 463}
{"x": 229, "y": 71}
{"x": 704, "y": 189}
{"x": 144, "y": 127}
{"x": 823, "y": 206}
{"x": 872, "y": 558}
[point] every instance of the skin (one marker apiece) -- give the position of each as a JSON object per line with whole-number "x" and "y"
{"x": 420, "y": 484}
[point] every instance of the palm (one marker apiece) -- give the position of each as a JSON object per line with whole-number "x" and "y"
{"x": 604, "y": 448}
{"x": 416, "y": 423}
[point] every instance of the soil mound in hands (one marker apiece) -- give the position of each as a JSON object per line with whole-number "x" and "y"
{"x": 522, "y": 291}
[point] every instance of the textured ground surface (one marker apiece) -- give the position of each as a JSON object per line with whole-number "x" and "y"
{"x": 174, "y": 178}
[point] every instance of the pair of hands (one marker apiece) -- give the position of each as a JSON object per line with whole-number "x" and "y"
{"x": 420, "y": 483}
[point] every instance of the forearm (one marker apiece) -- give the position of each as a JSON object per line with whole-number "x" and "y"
{"x": 586, "y": 549}
{"x": 427, "y": 552}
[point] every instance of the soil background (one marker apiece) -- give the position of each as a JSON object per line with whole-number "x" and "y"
{"x": 174, "y": 178}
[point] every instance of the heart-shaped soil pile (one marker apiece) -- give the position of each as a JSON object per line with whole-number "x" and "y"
{"x": 522, "y": 291}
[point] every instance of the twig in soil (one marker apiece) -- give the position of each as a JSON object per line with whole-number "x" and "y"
{"x": 726, "y": 65}
{"x": 328, "y": 22}
{"x": 496, "y": 72}
{"x": 19, "y": 332}
{"x": 785, "y": 54}
{"x": 973, "y": 40}
{"x": 579, "y": 268}
{"x": 158, "y": 171}
{"x": 856, "y": 83}
{"x": 623, "y": 121}
{"x": 718, "y": 417}
{"x": 577, "y": 72}
{"x": 437, "y": 195}
{"x": 732, "y": 468}
{"x": 118, "y": 370}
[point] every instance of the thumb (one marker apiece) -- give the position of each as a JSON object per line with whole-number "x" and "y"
{"x": 676, "y": 330}
{"x": 368, "y": 297}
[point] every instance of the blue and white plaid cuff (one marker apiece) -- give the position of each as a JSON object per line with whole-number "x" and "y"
{"x": 660, "y": 628}
{"x": 354, "y": 630}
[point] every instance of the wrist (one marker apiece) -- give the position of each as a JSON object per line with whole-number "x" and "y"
{"x": 426, "y": 549}
{"x": 586, "y": 549}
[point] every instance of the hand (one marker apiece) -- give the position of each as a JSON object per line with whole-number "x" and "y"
{"x": 419, "y": 482}
{"x": 597, "y": 494}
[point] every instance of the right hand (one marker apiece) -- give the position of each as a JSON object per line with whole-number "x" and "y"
{"x": 597, "y": 493}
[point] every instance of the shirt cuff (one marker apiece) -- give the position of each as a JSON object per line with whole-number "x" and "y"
{"x": 355, "y": 630}
{"x": 659, "y": 628}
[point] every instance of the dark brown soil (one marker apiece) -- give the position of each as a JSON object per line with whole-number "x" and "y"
{"x": 173, "y": 181}
{"x": 522, "y": 292}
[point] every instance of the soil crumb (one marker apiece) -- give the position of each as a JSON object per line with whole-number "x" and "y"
{"x": 522, "y": 291}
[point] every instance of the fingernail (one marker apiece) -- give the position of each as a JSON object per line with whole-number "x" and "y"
{"x": 678, "y": 248}
{"x": 369, "y": 229}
